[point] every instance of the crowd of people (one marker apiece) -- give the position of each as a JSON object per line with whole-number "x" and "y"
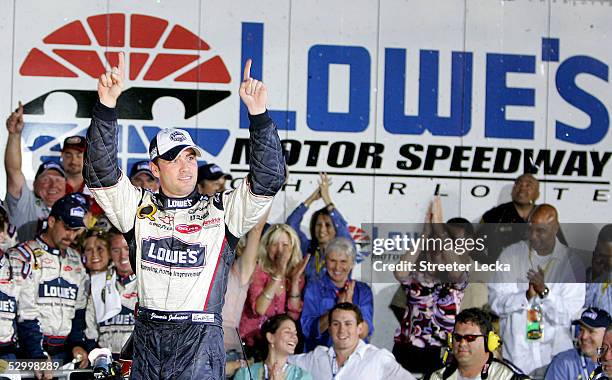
{"x": 69, "y": 278}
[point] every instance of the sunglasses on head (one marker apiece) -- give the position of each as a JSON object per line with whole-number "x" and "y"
{"x": 468, "y": 337}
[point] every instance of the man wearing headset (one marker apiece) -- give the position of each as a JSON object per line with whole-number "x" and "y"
{"x": 472, "y": 345}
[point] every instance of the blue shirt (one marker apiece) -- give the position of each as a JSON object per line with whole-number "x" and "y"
{"x": 569, "y": 365}
{"x": 319, "y": 297}
{"x": 599, "y": 295}
{"x": 293, "y": 372}
{"x": 340, "y": 225}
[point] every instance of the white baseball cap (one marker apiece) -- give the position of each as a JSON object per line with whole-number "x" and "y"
{"x": 170, "y": 142}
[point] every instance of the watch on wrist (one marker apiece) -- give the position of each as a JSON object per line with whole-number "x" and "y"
{"x": 544, "y": 292}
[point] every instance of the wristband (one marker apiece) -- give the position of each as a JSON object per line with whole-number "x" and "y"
{"x": 294, "y": 296}
{"x": 330, "y": 204}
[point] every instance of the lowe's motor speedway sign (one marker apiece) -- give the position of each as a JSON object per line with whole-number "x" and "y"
{"x": 398, "y": 100}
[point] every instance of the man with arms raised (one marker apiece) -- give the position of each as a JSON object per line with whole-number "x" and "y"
{"x": 182, "y": 242}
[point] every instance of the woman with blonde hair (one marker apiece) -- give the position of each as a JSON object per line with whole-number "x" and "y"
{"x": 277, "y": 283}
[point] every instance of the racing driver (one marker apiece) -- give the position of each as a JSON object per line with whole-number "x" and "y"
{"x": 181, "y": 242}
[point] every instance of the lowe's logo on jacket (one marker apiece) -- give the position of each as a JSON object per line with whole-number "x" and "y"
{"x": 173, "y": 252}
{"x": 58, "y": 288}
{"x": 7, "y": 303}
{"x": 124, "y": 318}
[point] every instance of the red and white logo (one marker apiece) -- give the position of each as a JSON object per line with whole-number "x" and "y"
{"x": 214, "y": 222}
{"x": 188, "y": 228}
{"x": 167, "y": 219}
{"x": 71, "y": 43}
{"x": 67, "y": 268}
{"x": 47, "y": 261}
{"x": 130, "y": 295}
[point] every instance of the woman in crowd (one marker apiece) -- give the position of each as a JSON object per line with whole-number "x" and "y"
{"x": 96, "y": 251}
{"x": 325, "y": 224}
{"x": 238, "y": 283}
{"x": 433, "y": 298}
{"x": 335, "y": 286}
{"x": 281, "y": 336}
{"x": 277, "y": 282}
{"x": 110, "y": 308}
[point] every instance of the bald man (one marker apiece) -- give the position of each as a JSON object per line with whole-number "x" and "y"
{"x": 542, "y": 272}
{"x": 505, "y": 224}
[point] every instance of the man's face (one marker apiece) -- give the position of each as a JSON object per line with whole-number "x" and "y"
{"x": 145, "y": 181}
{"x": 177, "y": 177}
{"x": 61, "y": 236}
{"x": 50, "y": 186}
{"x": 542, "y": 236}
{"x": 72, "y": 161}
{"x": 606, "y": 357}
{"x": 602, "y": 259}
{"x": 526, "y": 190}
{"x": 211, "y": 187}
{"x": 344, "y": 329}
{"x": 120, "y": 253}
{"x": 467, "y": 353}
{"x": 338, "y": 265}
{"x": 590, "y": 339}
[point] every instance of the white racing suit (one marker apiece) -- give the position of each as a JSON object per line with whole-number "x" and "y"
{"x": 9, "y": 298}
{"x": 181, "y": 249}
{"x": 112, "y": 333}
{"x": 52, "y": 299}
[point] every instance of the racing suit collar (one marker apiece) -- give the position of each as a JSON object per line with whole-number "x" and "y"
{"x": 164, "y": 202}
{"x": 47, "y": 248}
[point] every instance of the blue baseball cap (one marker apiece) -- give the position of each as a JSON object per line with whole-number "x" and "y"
{"x": 594, "y": 318}
{"x": 70, "y": 210}
{"x": 49, "y": 165}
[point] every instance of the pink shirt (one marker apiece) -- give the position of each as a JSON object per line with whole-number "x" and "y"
{"x": 251, "y": 322}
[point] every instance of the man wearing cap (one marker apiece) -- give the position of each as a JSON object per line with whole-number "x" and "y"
{"x": 579, "y": 363}
{"x": 182, "y": 242}
{"x": 53, "y": 282}
{"x": 142, "y": 176}
{"x": 72, "y": 160}
{"x": 211, "y": 179}
{"x": 72, "y": 156}
{"x": 26, "y": 206}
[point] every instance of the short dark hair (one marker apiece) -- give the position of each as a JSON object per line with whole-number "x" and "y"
{"x": 345, "y": 306}
{"x": 477, "y": 317}
{"x": 605, "y": 234}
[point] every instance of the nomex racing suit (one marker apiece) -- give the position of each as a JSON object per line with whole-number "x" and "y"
{"x": 182, "y": 249}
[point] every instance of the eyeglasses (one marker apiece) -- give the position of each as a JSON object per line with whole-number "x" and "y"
{"x": 601, "y": 351}
{"x": 457, "y": 338}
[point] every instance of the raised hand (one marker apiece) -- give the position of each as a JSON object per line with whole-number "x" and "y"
{"x": 14, "y": 123}
{"x": 253, "y": 92}
{"x": 299, "y": 269}
{"x": 110, "y": 84}
{"x": 325, "y": 181}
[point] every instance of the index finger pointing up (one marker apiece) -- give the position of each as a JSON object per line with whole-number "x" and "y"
{"x": 247, "y": 69}
{"x": 121, "y": 63}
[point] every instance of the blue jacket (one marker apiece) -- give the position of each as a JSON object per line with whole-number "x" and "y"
{"x": 295, "y": 219}
{"x": 319, "y": 297}
{"x": 569, "y": 365}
